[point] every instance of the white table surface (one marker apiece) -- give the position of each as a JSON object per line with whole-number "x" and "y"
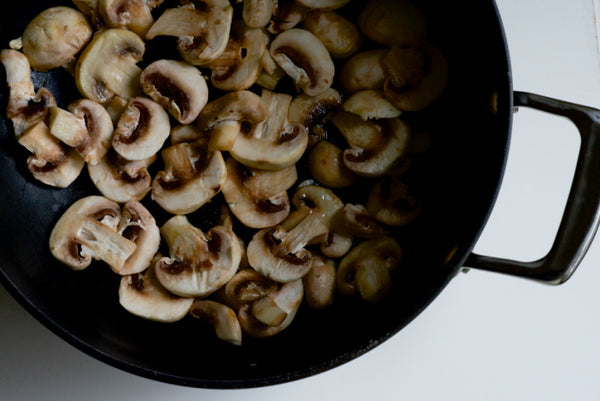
{"x": 486, "y": 337}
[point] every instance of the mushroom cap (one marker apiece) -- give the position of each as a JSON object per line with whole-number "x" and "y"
{"x": 54, "y": 37}
{"x": 257, "y": 13}
{"x": 339, "y": 35}
{"x": 135, "y": 15}
{"x": 364, "y": 70}
{"x": 248, "y": 285}
{"x": 99, "y": 129}
{"x": 199, "y": 264}
{"x": 107, "y": 67}
{"x": 312, "y": 112}
{"x": 390, "y": 203}
{"x": 392, "y": 22}
{"x": 358, "y": 222}
{"x": 177, "y": 86}
{"x": 305, "y": 59}
{"x": 258, "y": 198}
{"x": 371, "y": 104}
{"x": 221, "y": 317}
{"x": 286, "y": 15}
{"x": 144, "y": 296}
{"x": 320, "y": 283}
{"x": 121, "y": 180}
{"x": 326, "y": 165}
{"x": 142, "y": 129}
{"x": 192, "y": 177}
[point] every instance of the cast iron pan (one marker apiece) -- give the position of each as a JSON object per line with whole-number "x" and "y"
{"x": 457, "y": 181}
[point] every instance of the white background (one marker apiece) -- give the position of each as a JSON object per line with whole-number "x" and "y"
{"x": 487, "y": 337}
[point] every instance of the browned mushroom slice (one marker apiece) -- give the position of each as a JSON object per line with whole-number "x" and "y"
{"x": 326, "y": 165}
{"x": 358, "y": 222}
{"x": 364, "y": 70}
{"x": 51, "y": 162}
{"x": 54, "y": 37}
{"x": 258, "y": 198}
{"x": 107, "y": 67}
{"x": 177, "y": 86}
{"x": 142, "y": 129}
{"x": 319, "y": 283}
{"x": 25, "y": 107}
{"x": 135, "y": 15}
{"x": 371, "y": 104}
{"x": 286, "y": 15}
{"x": 391, "y": 22}
{"x": 390, "y": 203}
{"x": 367, "y": 269}
{"x": 312, "y": 112}
{"x": 305, "y": 59}
{"x": 99, "y": 128}
{"x": 248, "y": 286}
{"x": 417, "y": 76}
{"x": 240, "y": 64}
{"x": 144, "y": 296}
{"x": 257, "y": 13}
{"x": 178, "y": 22}
{"x": 339, "y": 35}
{"x": 88, "y": 230}
{"x": 121, "y": 180}
{"x": 221, "y": 317}
{"x": 199, "y": 264}
{"x": 284, "y": 302}
{"x": 193, "y": 175}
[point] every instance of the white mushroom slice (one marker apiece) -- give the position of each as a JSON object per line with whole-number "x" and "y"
{"x": 276, "y": 143}
{"x": 25, "y": 107}
{"x": 199, "y": 264}
{"x": 371, "y": 104}
{"x": 138, "y": 226}
{"x": 177, "y": 86}
{"x": 121, "y": 180}
{"x": 240, "y": 64}
{"x": 51, "y": 162}
{"x": 135, "y": 15}
{"x": 326, "y": 165}
{"x": 364, "y": 70}
{"x": 221, "y": 317}
{"x": 257, "y": 13}
{"x": 286, "y": 299}
{"x": 367, "y": 269}
{"x": 323, "y": 4}
{"x": 248, "y": 286}
{"x": 108, "y": 67}
{"x": 287, "y": 14}
{"x": 390, "y": 203}
{"x": 393, "y": 22}
{"x": 192, "y": 177}
{"x": 99, "y": 129}
{"x": 142, "y": 129}
{"x": 144, "y": 296}
{"x": 88, "y": 229}
{"x": 374, "y": 146}
{"x": 178, "y": 22}
{"x": 320, "y": 283}
{"x": 312, "y": 112}
{"x": 305, "y": 59}
{"x": 417, "y": 76}
{"x": 258, "y": 198}
{"x": 339, "y": 35}
{"x": 54, "y": 37}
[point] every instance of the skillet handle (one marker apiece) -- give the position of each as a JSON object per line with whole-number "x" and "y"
{"x": 581, "y": 215}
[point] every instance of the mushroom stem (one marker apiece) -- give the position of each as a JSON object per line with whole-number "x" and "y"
{"x": 105, "y": 243}
{"x": 38, "y": 141}
{"x": 308, "y": 229}
{"x": 223, "y": 135}
{"x": 177, "y": 159}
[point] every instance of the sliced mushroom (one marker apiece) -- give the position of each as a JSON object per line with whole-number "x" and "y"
{"x": 138, "y": 226}
{"x": 87, "y": 7}
{"x": 142, "y": 129}
{"x": 393, "y": 22}
{"x": 305, "y": 59}
{"x": 312, "y": 112}
{"x": 339, "y": 35}
{"x": 193, "y": 175}
{"x": 199, "y": 264}
{"x": 287, "y": 14}
{"x": 358, "y": 222}
{"x": 51, "y": 162}
{"x": 248, "y": 286}
{"x": 275, "y": 143}
{"x": 368, "y": 267}
{"x": 121, "y": 180}
{"x": 67, "y": 127}
{"x": 364, "y": 70}
{"x": 99, "y": 129}
{"x": 144, "y": 296}
{"x": 240, "y": 64}
{"x": 186, "y": 133}
{"x": 374, "y": 146}
{"x": 323, "y": 4}
{"x": 319, "y": 283}
{"x": 108, "y": 67}
{"x": 286, "y": 301}
{"x": 326, "y": 165}
{"x": 115, "y": 107}
{"x": 179, "y": 22}
{"x": 390, "y": 203}
{"x": 177, "y": 86}
{"x": 88, "y": 230}
{"x": 257, "y": 13}
{"x": 258, "y": 198}
{"x": 417, "y": 76}
{"x": 25, "y": 107}
{"x": 135, "y": 15}
{"x": 54, "y": 37}
{"x": 221, "y": 317}
{"x": 371, "y": 104}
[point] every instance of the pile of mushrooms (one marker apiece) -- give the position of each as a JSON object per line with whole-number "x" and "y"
{"x": 253, "y": 114}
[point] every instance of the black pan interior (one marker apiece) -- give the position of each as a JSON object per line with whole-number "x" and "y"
{"x": 457, "y": 181}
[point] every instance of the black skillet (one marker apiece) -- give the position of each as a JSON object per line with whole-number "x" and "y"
{"x": 457, "y": 180}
